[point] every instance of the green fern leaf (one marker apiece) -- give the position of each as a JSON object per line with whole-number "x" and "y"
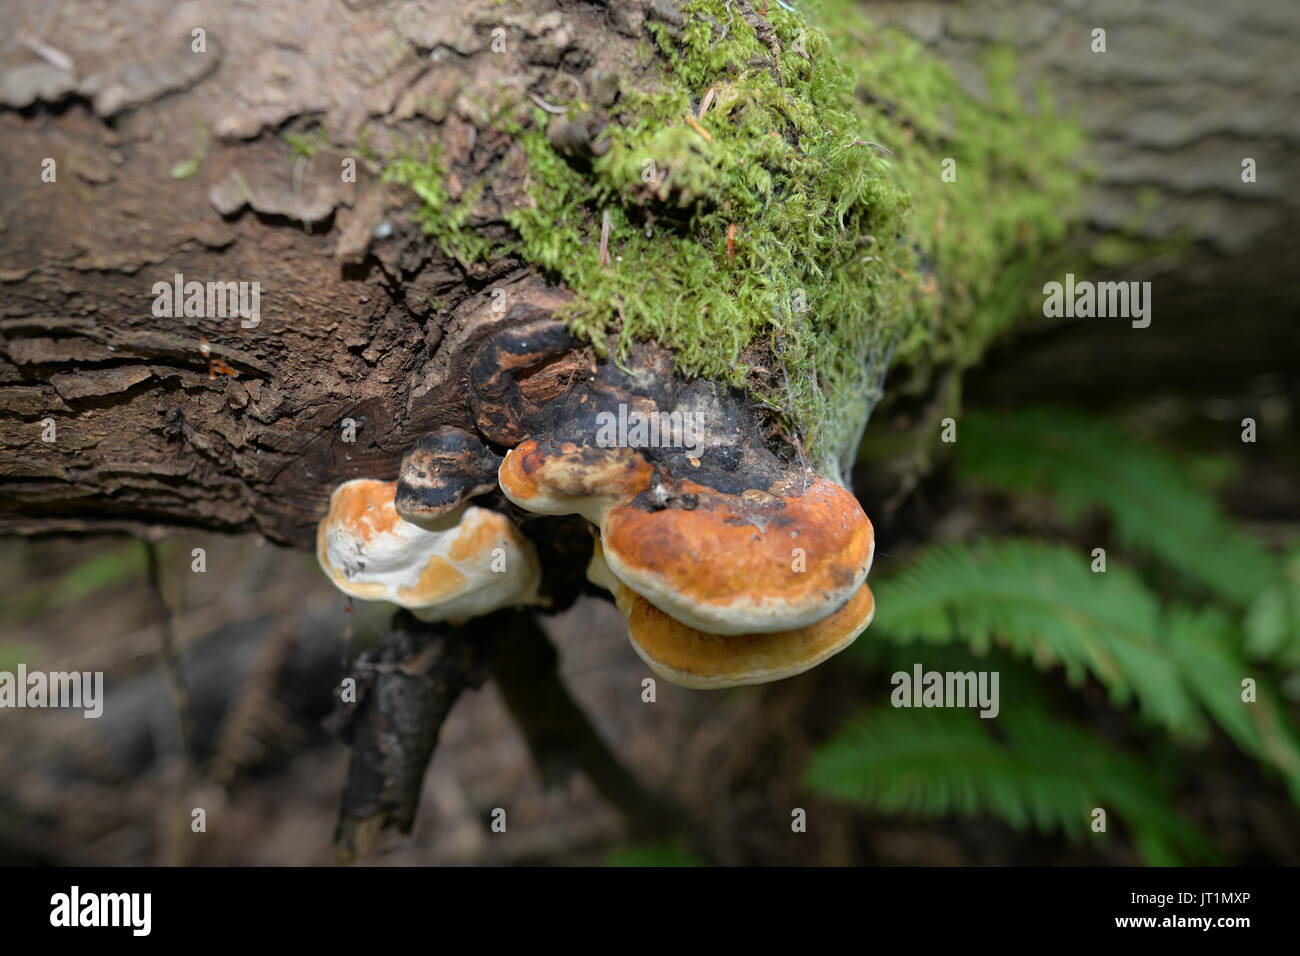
{"x": 1205, "y": 654}
{"x": 1273, "y": 622}
{"x": 1044, "y": 603}
{"x": 1082, "y": 463}
{"x": 1044, "y": 774}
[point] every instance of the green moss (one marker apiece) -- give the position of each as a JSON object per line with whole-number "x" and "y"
{"x": 444, "y": 219}
{"x": 308, "y": 145}
{"x": 991, "y": 235}
{"x": 189, "y": 166}
{"x": 767, "y": 240}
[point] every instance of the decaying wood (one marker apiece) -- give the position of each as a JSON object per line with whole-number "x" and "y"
{"x": 145, "y": 140}
{"x": 1181, "y": 95}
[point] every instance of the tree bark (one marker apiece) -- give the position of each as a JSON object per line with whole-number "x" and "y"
{"x": 362, "y": 318}
{"x": 1182, "y": 94}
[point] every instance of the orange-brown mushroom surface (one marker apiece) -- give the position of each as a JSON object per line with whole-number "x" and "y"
{"x": 689, "y": 657}
{"x": 748, "y": 563}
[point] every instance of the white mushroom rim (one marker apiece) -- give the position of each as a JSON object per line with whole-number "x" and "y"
{"x": 470, "y": 562}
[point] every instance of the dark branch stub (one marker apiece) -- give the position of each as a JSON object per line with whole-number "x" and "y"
{"x": 405, "y": 690}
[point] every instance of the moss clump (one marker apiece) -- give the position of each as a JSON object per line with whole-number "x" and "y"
{"x": 446, "y": 220}
{"x": 767, "y": 238}
{"x": 991, "y": 236}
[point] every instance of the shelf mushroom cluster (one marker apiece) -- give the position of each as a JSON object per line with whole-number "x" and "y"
{"x": 718, "y": 588}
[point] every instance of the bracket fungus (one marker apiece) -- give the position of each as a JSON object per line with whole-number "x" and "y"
{"x": 442, "y": 471}
{"x": 719, "y": 588}
{"x": 693, "y": 658}
{"x": 467, "y": 562}
{"x": 562, "y": 478}
{"x": 756, "y": 561}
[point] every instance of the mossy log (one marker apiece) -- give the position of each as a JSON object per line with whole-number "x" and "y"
{"x": 405, "y": 178}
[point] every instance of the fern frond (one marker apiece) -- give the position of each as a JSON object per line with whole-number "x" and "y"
{"x": 1206, "y": 656}
{"x": 1045, "y": 774}
{"x": 1273, "y": 621}
{"x": 1082, "y": 463}
{"x": 1044, "y": 603}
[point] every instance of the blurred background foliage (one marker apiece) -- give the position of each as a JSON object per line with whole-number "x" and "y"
{"x": 1172, "y": 637}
